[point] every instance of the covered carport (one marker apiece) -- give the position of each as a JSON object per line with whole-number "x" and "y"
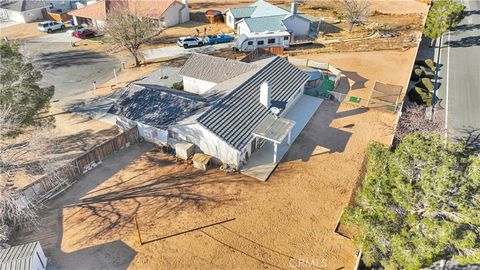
{"x": 280, "y": 135}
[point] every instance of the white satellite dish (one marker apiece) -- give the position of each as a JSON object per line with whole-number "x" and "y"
{"x": 275, "y": 110}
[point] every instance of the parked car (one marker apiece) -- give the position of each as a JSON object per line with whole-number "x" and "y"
{"x": 187, "y": 42}
{"x": 83, "y": 33}
{"x": 219, "y": 38}
{"x": 50, "y": 26}
{"x": 73, "y": 30}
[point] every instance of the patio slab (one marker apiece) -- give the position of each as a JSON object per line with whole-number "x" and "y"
{"x": 261, "y": 165}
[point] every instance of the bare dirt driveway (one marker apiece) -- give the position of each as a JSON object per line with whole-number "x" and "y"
{"x": 70, "y": 69}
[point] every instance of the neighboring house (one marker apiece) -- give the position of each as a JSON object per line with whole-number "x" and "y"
{"x": 229, "y": 113}
{"x": 22, "y": 11}
{"x": 26, "y": 257}
{"x": 170, "y": 12}
{"x": 263, "y": 17}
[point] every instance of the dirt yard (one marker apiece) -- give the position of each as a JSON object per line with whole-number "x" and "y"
{"x": 74, "y": 134}
{"x": 278, "y": 224}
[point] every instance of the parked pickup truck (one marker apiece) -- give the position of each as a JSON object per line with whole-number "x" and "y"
{"x": 219, "y": 38}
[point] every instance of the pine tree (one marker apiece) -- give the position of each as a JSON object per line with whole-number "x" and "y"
{"x": 19, "y": 90}
{"x": 418, "y": 204}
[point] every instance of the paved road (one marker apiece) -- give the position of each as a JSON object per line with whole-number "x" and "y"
{"x": 175, "y": 51}
{"x": 460, "y": 83}
{"x": 70, "y": 70}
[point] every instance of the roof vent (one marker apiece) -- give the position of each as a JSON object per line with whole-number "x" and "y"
{"x": 275, "y": 111}
{"x": 265, "y": 94}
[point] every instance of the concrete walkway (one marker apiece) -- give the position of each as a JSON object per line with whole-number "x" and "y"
{"x": 260, "y": 165}
{"x": 176, "y": 51}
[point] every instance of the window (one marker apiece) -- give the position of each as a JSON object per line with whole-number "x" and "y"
{"x": 271, "y": 40}
{"x": 250, "y": 43}
{"x": 260, "y": 42}
{"x": 285, "y": 38}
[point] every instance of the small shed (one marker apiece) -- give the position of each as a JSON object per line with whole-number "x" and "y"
{"x": 184, "y": 150}
{"x": 23, "y": 257}
{"x": 214, "y": 16}
{"x": 201, "y": 161}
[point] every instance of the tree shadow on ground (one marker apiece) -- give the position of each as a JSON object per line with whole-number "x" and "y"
{"x": 466, "y": 42}
{"x": 52, "y": 60}
{"x": 357, "y": 79}
{"x": 318, "y": 134}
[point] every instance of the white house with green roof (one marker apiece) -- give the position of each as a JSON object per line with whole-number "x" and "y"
{"x": 262, "y": 17}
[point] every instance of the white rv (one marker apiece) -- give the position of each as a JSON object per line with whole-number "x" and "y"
{"x": 250, "y": 41}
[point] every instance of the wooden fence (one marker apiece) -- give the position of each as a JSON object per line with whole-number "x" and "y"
{"x": 52, "y": 183}
{"x": 198, "y": 16}
{"x": 65, "y": 17}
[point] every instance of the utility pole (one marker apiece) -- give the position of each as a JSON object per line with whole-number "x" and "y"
{"x": 435, "y": 85}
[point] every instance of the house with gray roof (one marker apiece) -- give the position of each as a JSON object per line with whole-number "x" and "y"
{"x": 202, "y": 72}
{"x": 228, "y": 109}
{"x": 262, "y": 16}
{"x": 28, "y": 256}
{"x": 22, "y": 11}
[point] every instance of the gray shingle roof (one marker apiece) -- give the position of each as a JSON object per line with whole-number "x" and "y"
{"x": 156, "y": 106}
{"x": 242, "y": 12}
{"x": 264, "y": 9}
{"x": 262, "y": 24}
{"x": 234, "y": 117}
{"x": 22, "y": 5}
{"x": 213, "y": 69}
{"x": 18, "y": 257}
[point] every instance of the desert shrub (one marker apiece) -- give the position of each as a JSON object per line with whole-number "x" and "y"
{"x": 417, "y": 73}
{"x": 421, "y": 96}
{"x": 178, "y": 86}
{"x": 430, "y": 64}
{"x": 427, "y": 72}
{"x": 425, "y": 83}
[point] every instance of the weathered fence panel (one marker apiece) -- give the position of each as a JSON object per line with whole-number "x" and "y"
{"x": 69, "y": 172}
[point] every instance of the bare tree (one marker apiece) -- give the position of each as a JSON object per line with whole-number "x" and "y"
{"x": 413, "y": 120}
{"x": 25, "y": 156}
{"x": 128, "y": 28}
{"x": 355, "y": 12}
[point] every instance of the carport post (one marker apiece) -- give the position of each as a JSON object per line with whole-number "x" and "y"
{"x": 115, "y": 74}
{"x": 289, "y": 137}
{"x": 275, "y": 145}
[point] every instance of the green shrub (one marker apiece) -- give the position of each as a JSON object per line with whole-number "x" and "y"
{"x": 430, "y": 64}
{"x": 417, "y": 73}
{"x": 427, "y": 83}
{"x": 427, "y": 73}
{"x": 420, "y": 96}
{"x": 178, "y": 86}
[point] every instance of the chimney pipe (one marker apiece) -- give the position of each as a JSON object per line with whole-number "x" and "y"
{"x": 265, "y": 94}
{"x": 294, "y": 7}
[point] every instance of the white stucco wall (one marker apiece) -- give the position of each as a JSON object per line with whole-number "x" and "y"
{"x": 298, "y": 26}
{"x": 207, "y": 142}
{"x": 242, "y": 28}
{"x": 175, "y": 14}
{"x": 152, "y": 134}
{"x": 230, "y": 19}
{"x": 196, "y": 86}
